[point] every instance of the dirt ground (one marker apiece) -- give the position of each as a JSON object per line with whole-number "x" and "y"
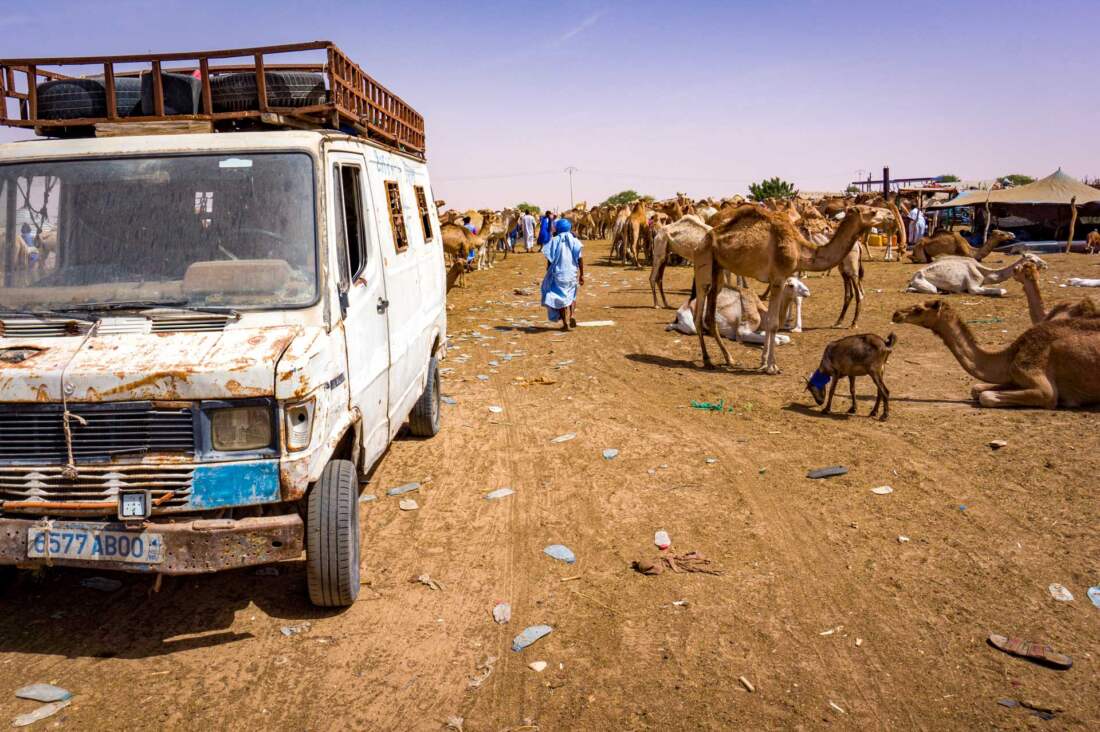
{"x": 830, "y": 615}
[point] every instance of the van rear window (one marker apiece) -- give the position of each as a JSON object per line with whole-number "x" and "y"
{"x": 422, "y": 207}
{"x": 397, "y": 216}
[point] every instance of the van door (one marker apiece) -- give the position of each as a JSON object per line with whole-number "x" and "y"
{"x": 362, "y": 287}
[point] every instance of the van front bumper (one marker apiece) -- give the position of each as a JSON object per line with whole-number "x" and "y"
{"x": 194, "y": 546}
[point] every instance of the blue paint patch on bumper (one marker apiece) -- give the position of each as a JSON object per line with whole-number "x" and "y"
{"x": 235, "y": 484}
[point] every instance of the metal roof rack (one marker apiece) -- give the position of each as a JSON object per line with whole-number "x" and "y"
{"x": 350, "y": 101}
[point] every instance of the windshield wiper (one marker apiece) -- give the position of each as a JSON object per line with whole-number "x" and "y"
{"x": 160, "y": 305}
{"x": 42, "y": 313}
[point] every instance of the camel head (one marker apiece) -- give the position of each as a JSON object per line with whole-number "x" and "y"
{"x": 795, "y": 287}
{"x": 1026, "y": 271}
{"x": 1001, "y": 237}
{"x": 1034, "y": 259}
{"x": 860, "y": 218}
{"x": 926, "y": 315}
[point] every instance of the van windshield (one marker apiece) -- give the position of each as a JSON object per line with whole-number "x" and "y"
{"x": 233, "y": 230}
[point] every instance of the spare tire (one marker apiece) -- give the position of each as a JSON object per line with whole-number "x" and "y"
{"x": 181, "y": 94}
{"x": 237, "y": 92}
{"x": 81, "y": 98}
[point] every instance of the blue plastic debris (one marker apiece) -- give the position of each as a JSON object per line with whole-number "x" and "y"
{"x": 563, "y": 553}
{"x": 44, "y": 693}
{"x": 529, "y": 635}
{"x": 407, "y": 488}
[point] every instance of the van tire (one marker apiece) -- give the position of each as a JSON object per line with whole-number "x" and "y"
{"x": 332, "y": 536}
{"x": 424, "y": 418}
{"x": 237, "y": 92}
{"x": 85, "y": 98}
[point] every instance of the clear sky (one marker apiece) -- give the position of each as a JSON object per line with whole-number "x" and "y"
{"x": 700, "y": 97}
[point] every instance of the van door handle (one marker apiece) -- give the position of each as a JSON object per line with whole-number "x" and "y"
{"x": 383, "y": 305}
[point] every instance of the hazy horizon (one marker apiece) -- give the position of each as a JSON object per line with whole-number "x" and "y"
{"x": 700, "y": 97}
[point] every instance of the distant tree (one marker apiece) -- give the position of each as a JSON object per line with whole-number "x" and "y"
{"x": 627, "y": 196}
{"x": 528, "y": 208}
{"x": 1017, "y": 179}
{"x": 772, "y": 188}
{"x": 948, "y": 178}
{"x": 851, "y": 189}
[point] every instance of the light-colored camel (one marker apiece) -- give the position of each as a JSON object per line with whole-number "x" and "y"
{"x": 481, "y": 241}
{"x": 851, "y": 271}
{"x": 1051, "y": 364}
{"x": 740, "y": 312}
{"x": 1027, "y": 274}
{"x": 684, "y": 238}
{"x": 618, "y": 233}
{"x": 952, "y": 244}
{"x": 1092, "y": 242}
{"x": 963, "y": 274}
{"x": 765, "y": 245}
{"x": 498, "y": 229}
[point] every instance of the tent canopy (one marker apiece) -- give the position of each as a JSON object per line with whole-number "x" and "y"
{"x": 1057, "y": 188}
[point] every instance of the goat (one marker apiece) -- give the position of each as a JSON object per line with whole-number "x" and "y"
{"x": 856, "y": 355}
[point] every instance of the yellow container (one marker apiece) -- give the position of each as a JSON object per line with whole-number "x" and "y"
{"x": 876, "y": 240}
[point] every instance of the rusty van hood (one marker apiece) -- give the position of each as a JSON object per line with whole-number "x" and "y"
{"x": 234, "y": 363}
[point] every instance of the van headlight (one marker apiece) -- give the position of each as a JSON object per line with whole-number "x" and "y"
{"x": 233, "y": 429}
{"x": 299, "y": 424}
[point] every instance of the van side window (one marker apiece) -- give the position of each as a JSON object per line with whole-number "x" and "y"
{"x": 397, "y": 216}
{"x": 350, "y": 235}
{"x": 422, "y": 207}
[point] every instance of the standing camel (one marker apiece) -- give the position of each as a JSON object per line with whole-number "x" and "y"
{"x": 457, "y": 241}
{"x": 765, "y": 245}
{"x": 684, "y": 237}
{"x": 636, "y": 232}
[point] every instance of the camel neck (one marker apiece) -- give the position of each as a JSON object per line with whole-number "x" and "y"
{"x": 1034, "y": 300}
{"x": 993, "y": 276}
{"x": 990, "y": 366}
{"x": 819, "y": 259}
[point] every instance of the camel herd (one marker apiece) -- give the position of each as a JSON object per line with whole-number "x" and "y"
{"x": 1051, "y": 364}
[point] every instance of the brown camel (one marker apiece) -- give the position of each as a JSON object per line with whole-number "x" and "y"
{"x": 458, "y": 242}
{"x": 1051, "y": 364}
{"x": 636, "y": 233}
{"x": 951, "y": 243}
{"x": 1092, "y": 243}
{"x": 765, "y": 245}
{"x": 1027, "y": 274}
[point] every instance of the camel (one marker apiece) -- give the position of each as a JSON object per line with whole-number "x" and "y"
{"x": 1092, "y": 243}
{"x": 851, "y": 271}
{"x": 481, "y": 241}
{"x": 1051, "y": 364}
{"x": 1027, "y": 274}
{"x": 635, "y": 232}
{"x": 951, "y": 243}
{"x": 618, "y": 233}
{"x": 963, "y": 274}
{"x": 684, "y": 238}
{"x": 457, "y": 241}
{"x": 498, "y": 230}
{"x": 740, "y": 312}
{"x": 765, "y": 245}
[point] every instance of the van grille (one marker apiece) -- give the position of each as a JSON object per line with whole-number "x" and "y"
{"x": 28, "y": 485}
{"x": 37, "y": 328}
{"x": 33, "y": 433}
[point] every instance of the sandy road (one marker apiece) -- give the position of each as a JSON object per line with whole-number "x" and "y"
{"x": 811, "y": 567}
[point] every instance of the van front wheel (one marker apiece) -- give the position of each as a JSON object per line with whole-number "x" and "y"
{"x": 332, "y": 537}
{"x": 424, "y": 418}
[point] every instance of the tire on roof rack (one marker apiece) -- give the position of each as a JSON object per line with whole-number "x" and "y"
{"x": 83, "y": 98}
{"x": 181, "y": 94}
{"x": 237, "y": 92}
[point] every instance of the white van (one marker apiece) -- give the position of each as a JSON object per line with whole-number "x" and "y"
{"x": 205, "y": 342}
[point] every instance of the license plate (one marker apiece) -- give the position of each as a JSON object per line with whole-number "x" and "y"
{"x": 77, "y": 541}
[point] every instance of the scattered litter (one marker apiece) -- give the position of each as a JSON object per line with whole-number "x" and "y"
{"x": 449, "y": 401}
{"x": 570, "y": 579}
{"x": 494, "y": 363}
{"x": 482, "y": 377}
{"x": 407, "y": 488}
{"x": 495, "y": 409}
{"x": 46, "y": 710}
{"x": 1008, "y": 703}
{"x": 762, "y": 471}
{"x": 859, "y": 642}
{"x": 1094, "y": 595}
{"x": 367, "y": 498}
{"x": 1040, "y": 652}
{"x": 564, "y": 438}
{"x": 537, "y": 666}
{"x": 427, "y": 581}
{"x": 567, "y": 362}
{"x": 680, "y": 603}
{"x": 690, "y": 562}
{"x": 529, "y": 635}
{"x": 455, "y": 723}
{"x": 747, "y": 684}
{"x": 595, "y": 323}
{"x": 652, "y": 471}
{"x": 1060, "y": 593}
{"x": 610, "y": 453}
{"x": 830, "y": 631}
{"x": 882, "y": 490}
{"x": 662, "y": 540}
{"x": 43, "y": 693}
{"x": 408, "y": 504}
{"x": 486, "y": 670}
{"x": 711, "y": 460}
{"x": 103, "y": 584}
{"x": 962, "y": 506}
{"x": 499, "y": 493}
{"x": 267, "y": 572}
{"x": 502, "y": 613}
{"x": 834, "y": 706}
{"x": 997, "y": 444}
{"x": 560, "y": 552}
{"x": 827, "y": 473}
{"x": 522, "y": 292}
{"x": 986, "y": 321}
{"x": 718, "y": 406}
{"x": 289, "y": 630}
{"x": 902, "y": 539}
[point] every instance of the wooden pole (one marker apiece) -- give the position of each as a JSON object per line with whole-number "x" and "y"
{"x": 1072, "y": 221}
{"x": 988, "y": 220}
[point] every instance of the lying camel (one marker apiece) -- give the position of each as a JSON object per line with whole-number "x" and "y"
{"x": 740, "y": 313}
{"x": 1082, "y": 282}
{"x": 1027, "y": 274}
{"x": 963, "y": 274}
{"x": 1051, "y": 364}
{"x": 951, "y": 243}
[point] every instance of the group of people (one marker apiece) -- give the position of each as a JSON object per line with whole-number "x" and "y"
{"x": 532, "y": 231}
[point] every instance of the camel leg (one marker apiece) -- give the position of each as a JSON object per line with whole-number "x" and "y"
{"x": 919, "y": 284}
{"x": 829, "y": 401}
{"x": 661, "y": 283}
{"x": 712, "y": 308}
{"x": 977, "y": 389}
{"x": 852, "y": 389}
{"x": 1041, "y": 394}
{"x": 974, "y": 289}
{"x": 772, "y": 320}
{"x": 701, "y": 283}
{"x": 797, "y": 315}
{"x": 847, "y": 299}
{"x": 857, "y": 286}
